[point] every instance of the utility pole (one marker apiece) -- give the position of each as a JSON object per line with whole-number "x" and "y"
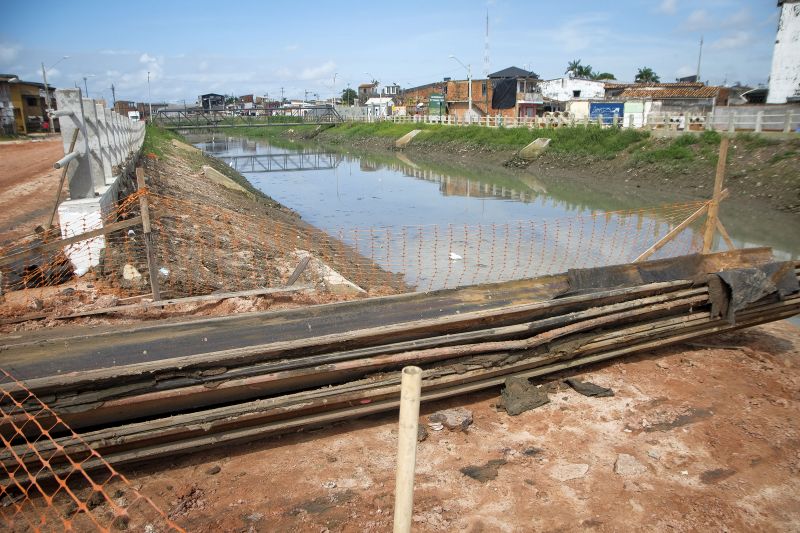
{"x": 149, "y": 99}
{"x": 281, "y": 95}
{"x": 699, "y": 57}
{"x": 113, "y": 96}
{"x": 469, "y": 84}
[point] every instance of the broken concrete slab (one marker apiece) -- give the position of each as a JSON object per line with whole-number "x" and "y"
{"x": 403, "y": 141}
{"x": 221, "y": 179}
{"x": 534, "y": 149}
{"x": 567, "y": 471}
{"x": 457, "y": 418}
{"x": 628, "y": 465}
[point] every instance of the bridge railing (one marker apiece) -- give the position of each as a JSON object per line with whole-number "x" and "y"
{"x": 198, "y": 118}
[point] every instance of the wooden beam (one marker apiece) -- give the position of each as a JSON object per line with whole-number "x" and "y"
{"x": 725, "y": 236}
{"x": 672, "y": 234}
{"x": 713, "y": 209}
{"x": 61, "y": 243}
{"x": 298, "y": 270}
{"x": 148, "y": 236}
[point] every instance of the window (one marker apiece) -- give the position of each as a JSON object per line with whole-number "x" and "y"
{"x": 576, "y": 94}
{"x": 483, "y": 88}
{"x": 31, "y": 101}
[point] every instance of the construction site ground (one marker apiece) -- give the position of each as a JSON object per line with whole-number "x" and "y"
{"x": 711, "y": 427}
{"x": 708, "y": 432}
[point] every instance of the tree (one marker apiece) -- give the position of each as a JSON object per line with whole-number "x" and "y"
{"x": 603, "y": 76}
{"x": 348, "y": 96}
{"x": 646, "y": 75}
{"x": 573, "y": 67}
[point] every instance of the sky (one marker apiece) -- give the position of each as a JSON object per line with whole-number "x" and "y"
{"x": 266, "y": 48}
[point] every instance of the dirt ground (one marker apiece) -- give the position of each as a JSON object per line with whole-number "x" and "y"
{"x": 28, "y": 185}
{"x": 710, "y": 428}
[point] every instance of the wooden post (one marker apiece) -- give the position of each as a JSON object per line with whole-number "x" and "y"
{"x": 410, "y": 387}
{"x": 148, "y": 237}
{"x": 713, "y": 208}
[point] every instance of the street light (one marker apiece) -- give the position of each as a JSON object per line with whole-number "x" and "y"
{"x": 85, "y": 86}
{"x": 469, "y": 83}
{"x": 47, "y": 89}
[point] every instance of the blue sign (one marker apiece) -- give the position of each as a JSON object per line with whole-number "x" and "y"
{"x": 607, "y": 110}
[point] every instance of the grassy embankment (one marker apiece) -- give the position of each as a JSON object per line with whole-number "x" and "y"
{"x": 158, "y": 142}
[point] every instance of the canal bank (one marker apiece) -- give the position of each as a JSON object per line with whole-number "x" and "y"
{"x": 763, "y": 173}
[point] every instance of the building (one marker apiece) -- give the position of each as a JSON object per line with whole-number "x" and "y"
{"x": 366, "y": 91}
{"x": 24, "y": 106}
{"x": 784, "y": 76}
{"x": 123, "y": 107}
{"x": 212, "y": 102}
{"x": 566, "y": 89}
{"x": 379, "y": 106}
{"x": 511, "y": 92}
{"x": 670, "y": 97}
{"x": 144, "y": 108}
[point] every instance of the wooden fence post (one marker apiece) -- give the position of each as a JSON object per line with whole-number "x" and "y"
{"x": 148, "y": 237}
{"x": 713, "y": 208}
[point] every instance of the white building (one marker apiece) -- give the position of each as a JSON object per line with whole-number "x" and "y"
{"x": 784, "y": 77}
{"x": 565, "y": 89}
{"x": 379, "y": 107}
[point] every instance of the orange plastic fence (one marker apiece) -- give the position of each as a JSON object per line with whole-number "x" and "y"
{"x": 200, "y": 249}
{"x": 51, "y": 480}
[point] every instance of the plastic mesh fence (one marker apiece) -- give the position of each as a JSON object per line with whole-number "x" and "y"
{"x": 200, "y": 249}
{"x": 64, "y": 485}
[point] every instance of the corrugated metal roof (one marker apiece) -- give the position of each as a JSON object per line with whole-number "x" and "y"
{"x": 671, "y": 92}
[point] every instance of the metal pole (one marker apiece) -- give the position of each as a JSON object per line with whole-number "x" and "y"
{"x": 47, "y": 98}
{"x": 85, "y": 87}
{"x": 469, "y": 82}
{"x": 149, "y": 100}
{"x": 410, "y": 386}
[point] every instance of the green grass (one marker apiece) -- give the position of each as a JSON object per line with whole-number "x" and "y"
{"x": 156, "y": 139}
{"x": 788, "y": 154}
{"x": 682, "y": 149}
{"x": 754, "y": 140}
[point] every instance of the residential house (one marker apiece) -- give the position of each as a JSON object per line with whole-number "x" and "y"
{"x": 676, "y": 97}
{"x": 24, "y": 104}
{"x": 511, "y": 92}
{"x": 417, "y": 99}
{"x": 366, "y": 91}
{"x": 123, "y": 107}
{"x": 379, "y": 106}
{"x": 212, "y": 102}
{"x": 566, "y": 89}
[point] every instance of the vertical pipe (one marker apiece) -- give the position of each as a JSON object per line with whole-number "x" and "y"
{"x": 407, "y": 448}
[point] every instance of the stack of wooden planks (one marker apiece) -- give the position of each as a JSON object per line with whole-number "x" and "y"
{"x": 170, "y": 405}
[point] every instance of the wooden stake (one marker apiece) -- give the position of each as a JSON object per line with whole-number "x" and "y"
{"x": 713, "y": 208}
{"x": 725, "y": 236}
{"x": 407, "y": 448}
{"x": 148, "y": 238}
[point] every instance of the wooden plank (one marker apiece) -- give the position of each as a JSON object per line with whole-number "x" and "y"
{"x": 672, "y": 234}
{"x": 725, "y": 236}
{"x": 713, "y": 209}
{"x": 61, "y": 243}
{"x": 144, "y": 205}
{"x": 298, "y": 270}
{"x": 190, "y": 299}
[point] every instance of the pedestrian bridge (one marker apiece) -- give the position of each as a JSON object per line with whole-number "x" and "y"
{"x": 282, "y": 162}
{"x": 201, "y": 119}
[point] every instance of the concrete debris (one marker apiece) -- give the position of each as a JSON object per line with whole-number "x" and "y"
{"x": 456, "y": 418}
{"x": 422, "y": 432}
{"x": 627, "y": 465}
{"x": 567, "y": 471}
{"x": 436, "y": 426}
{"x": 130, "y": 273}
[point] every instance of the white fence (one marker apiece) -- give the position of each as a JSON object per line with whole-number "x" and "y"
{"x": 100, "y": 146}
{"x": 722, "y": 119}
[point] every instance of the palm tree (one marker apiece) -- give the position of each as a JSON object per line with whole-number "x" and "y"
{"x": 573, "y": 67}
{"x": 646, "y": 75}
{"x": 603, "y": 76}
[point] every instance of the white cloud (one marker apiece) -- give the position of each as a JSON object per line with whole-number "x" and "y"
{"x": 318, "y": 72}
{"x": 291, "y": 47}
{"x": 737, "y": 39}
{"x": 698, "y": 20}
{"x": 742, "y": 18}
{"x": 669, "y": 7}
{"x": 113, "y": 52}
{"x": 9, "y": 52}
{"x": 685, "y": 70}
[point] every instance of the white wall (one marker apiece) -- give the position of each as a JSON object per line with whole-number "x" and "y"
{"x": 784, "y": 78}
{"x": 562, "y": 89}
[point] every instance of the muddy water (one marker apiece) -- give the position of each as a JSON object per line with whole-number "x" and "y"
{"x": 388, "y": 190}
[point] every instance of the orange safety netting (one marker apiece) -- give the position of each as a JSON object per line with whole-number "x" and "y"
{"x": 61, "y": 485}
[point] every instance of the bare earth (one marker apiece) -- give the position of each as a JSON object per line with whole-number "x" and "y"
{"x": 28, "y": 185}
{"x": 714, "y": 433}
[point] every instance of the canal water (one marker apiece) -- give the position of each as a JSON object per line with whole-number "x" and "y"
{"x": 451, "y": 215}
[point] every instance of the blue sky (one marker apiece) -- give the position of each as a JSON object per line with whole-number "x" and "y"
{"x": 246, "y": 47}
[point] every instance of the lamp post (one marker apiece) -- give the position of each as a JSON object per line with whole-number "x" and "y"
{"x": 469, "y": 84}
{"x": 85, "y": 85}
{"x": 47, "y": 89}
